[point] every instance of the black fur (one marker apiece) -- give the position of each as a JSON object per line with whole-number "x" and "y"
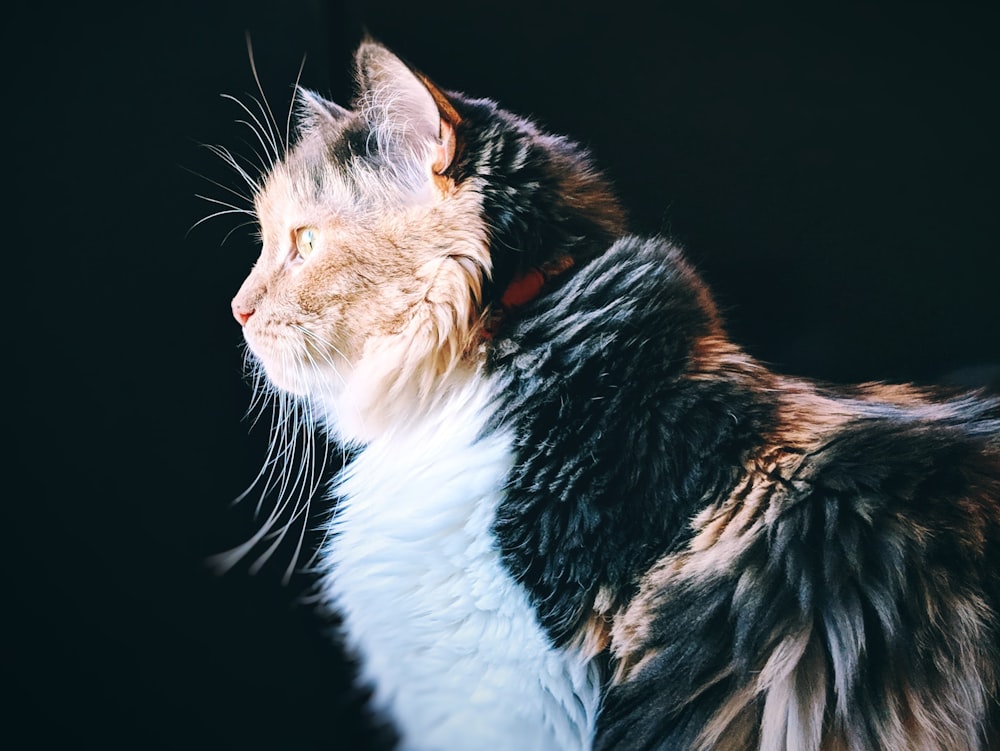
{"x": 611, "y": 439}
{"x": 618, "y": 448}
{"x": 529, "y": 215}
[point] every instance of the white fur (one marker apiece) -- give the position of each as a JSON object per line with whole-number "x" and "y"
{"x": 447, "y": 639}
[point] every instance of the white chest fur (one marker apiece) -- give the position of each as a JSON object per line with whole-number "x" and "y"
{"x": 447, "y": 639}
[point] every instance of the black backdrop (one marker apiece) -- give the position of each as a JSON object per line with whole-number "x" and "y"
{"x": 833, "y": 172}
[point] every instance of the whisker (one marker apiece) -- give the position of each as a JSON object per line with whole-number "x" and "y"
{"x": 306, "y": 485}
{"x": 226, "y": 156}
{"x": 277, "y": 448}
{"x": 298, "y": 456}
{"x": 217, "y": 184}
{"x": 282, "y": 447}
{"x": 316, "y": 480}
{"x": 269, "y": 144}
{"x": 264, "y": 161}
{"x": 269, "y": 466}
{"x": 262, "y": 396}
{"x": 218, "y": 213}
{"x": 229, "y": 558}
{"x": 221, "y": 213}
{"x": 218, "y": 202}
{"x": 293, "y": 488}
{"x": 326, "y": 359}
{"x": 321, "y": 340}
{"x": 238, "y": 226}
{"x": 260, "y": 88}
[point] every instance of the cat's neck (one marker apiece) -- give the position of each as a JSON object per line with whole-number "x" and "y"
{"x": 371, "y": 406}
{"x": 524, "y": 288}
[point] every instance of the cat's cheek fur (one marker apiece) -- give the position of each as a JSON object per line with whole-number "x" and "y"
{"x": 412, "y": 544}
{"x": 401, "y": 374}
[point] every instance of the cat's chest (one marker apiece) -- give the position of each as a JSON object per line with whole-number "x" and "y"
{"x": 414, "y": 517}
{"x": 449, "y": 641}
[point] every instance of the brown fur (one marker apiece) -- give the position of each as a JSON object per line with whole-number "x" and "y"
{"x": 787, "y": 706}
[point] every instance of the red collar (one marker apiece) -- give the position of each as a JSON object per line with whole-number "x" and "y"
{"x": 522, "y": 289}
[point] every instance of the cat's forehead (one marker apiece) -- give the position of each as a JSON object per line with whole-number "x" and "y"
{"x": 302, "y": 189}
{"x": 336, "y": 171}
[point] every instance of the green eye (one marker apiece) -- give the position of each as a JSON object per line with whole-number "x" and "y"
{"x": 306, "y": 240}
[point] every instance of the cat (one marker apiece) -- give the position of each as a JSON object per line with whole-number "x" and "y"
{"x": 573, "y": 513}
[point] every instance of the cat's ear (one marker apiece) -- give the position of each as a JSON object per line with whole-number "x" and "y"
{"x": 315, "y": 109}
{"x": 403, "y": 107}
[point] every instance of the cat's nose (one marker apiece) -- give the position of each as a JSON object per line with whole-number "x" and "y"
{"x": 241, "y": 313}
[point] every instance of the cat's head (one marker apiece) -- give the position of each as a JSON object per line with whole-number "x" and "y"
{"x": 390, "y": 231}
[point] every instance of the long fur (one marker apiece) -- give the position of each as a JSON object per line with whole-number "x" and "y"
{"x": 791, "y": 567}
{"x": 591, "y": 520}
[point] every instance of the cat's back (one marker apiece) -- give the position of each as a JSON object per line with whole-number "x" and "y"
{"x": 846, "y": 589}
{"x": 813, "y": 562}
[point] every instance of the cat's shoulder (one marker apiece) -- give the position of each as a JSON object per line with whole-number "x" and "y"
{"x": 641, "y": 294}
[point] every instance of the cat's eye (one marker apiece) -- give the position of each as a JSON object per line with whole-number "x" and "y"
{"x": 306, "y": 240}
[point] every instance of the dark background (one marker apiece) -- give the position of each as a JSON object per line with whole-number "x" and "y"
{"x": 833, "y": 172}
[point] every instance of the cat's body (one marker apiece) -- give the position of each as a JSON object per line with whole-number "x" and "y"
{"x": 576, "y": 514}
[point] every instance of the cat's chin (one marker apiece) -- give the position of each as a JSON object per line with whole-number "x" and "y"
{"x": 296, "y": 382}
{"x": 288, "y": 387}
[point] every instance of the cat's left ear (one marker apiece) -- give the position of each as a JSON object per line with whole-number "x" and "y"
{"x": 404, "y": 108}
{"x": 315, "y": 108}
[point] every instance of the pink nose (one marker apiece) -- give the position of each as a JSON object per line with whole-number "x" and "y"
{"x": 241, "y": 314}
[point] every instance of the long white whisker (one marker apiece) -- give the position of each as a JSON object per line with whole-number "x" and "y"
{"x": 277, "y": 448}
{"x": 221, "y": 213}
{"x": 238, "y": 226}
{"x": 264, "y": 161}
{"x": 328, "y": 360}
{"x": 273, "y": 134}
{"x": 282, "y": 447}
{"x": 316, "y": 476}
{"x": 229, "y": 558}
{"x": 306, "y": 485}
{"x": 226, "y": 156}
{"x": 268, "y": 468}
{"x": 268, "y": 143}
{"x": 316, "y": 479}
{"x": 228, "y": 189}
{"x": 298, "y": 455}
{"x": 218, "y": 213}
{"x": 320, "y": 340}
{"x": 260, "y": 88}
{"x": 292, "y": 488}
{"x": 262, "y": 396}
{"x": 226, "y": 204}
